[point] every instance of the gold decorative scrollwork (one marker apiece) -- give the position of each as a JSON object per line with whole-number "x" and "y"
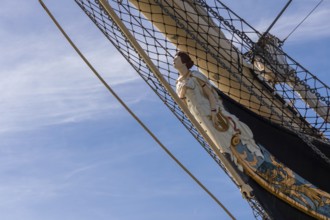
{"x": 235, "y": 140}
{"x": 222, "y": 124}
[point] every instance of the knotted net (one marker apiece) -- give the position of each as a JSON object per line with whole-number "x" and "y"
{"x": 249, "y": 67}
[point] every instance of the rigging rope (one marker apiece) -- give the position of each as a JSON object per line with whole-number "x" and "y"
{"x": 235, "y": 74}
{"x": 133, "y": 114}
{"x": 237, "y": 32}
{"x": 160, "y": 50}
{"x": 276, "y": 19}
{"x": 302, "y": 21}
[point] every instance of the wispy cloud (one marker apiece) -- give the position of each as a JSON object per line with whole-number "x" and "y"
{"x": 43, "y": 83}
{"x": 313, "y": 28}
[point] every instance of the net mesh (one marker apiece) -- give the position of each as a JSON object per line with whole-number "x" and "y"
{"x": 251, "y": 67}
{"x": 248, "y": 66}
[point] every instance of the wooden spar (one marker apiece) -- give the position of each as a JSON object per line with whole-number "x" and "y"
{"x": 130, "y": 111}
{"x": 244, "y": 187}
{"x": 210, "y": 35}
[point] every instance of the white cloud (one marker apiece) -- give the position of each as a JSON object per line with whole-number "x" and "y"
{"x": 313, "y": 28}
{"x": 43, "y": 81}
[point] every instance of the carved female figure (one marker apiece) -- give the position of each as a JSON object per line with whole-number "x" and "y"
{"x": 206, "y": 106}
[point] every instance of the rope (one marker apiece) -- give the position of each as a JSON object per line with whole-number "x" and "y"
{"x": 132, "y": 113}
{"x": 153, "y": 44}
{"x": 305, "y": 138}
{"x": 302, "y": 21}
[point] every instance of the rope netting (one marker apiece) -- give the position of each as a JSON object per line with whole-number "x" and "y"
{"x": 249, "y": 67}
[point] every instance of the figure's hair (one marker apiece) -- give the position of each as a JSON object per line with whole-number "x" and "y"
{"x": 185, "y": 58}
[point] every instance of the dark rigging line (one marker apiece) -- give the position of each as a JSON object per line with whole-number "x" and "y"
{"x": 302, "y": 21}
{"x": 132, "y": 113}
{"x": 276, "y": 19}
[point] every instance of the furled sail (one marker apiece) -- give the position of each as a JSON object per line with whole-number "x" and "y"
{"x": 149, "y": 32}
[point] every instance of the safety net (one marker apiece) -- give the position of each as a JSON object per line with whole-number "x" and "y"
{"x": 249, "y": 67}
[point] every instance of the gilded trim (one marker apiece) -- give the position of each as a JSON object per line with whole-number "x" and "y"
{"x": 282, "y": 182}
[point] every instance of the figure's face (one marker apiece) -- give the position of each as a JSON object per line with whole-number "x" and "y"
{"x": 177, "y": 63}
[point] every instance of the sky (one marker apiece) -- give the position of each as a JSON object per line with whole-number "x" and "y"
{"x": 69, "y": 150}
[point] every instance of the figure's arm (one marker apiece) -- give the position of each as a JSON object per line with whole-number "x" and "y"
{"x": 182, "y": 92}
{"x": 209, "y": 94}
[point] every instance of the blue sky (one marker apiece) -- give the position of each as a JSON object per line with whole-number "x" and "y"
{"x": 69, "y": 150}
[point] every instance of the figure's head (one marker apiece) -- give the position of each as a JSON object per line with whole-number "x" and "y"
{"x": 182, "y": 58}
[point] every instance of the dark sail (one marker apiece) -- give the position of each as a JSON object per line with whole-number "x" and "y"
{"x": 279, "y": 126}
{"x": 290, "y": 150}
